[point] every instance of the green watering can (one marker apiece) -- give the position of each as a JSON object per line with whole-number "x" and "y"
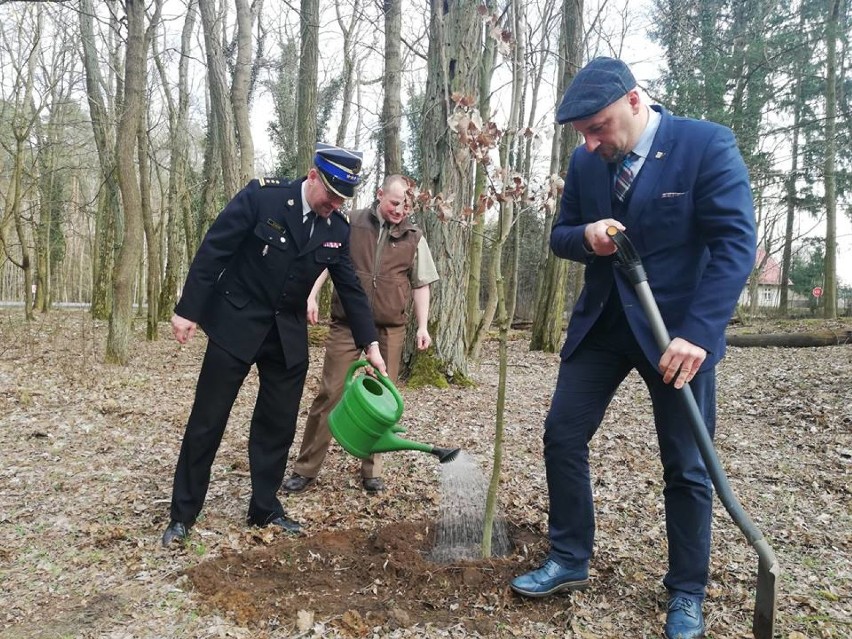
{"x": 364, "y": 421}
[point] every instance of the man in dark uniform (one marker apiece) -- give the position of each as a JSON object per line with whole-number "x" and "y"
{"x": 247, "y": 287}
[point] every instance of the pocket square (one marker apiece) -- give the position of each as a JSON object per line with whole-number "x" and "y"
{"x": 673, "y": 194}
{"x": 332, "y": 244}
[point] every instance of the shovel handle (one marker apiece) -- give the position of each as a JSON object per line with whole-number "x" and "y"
{"x": 768, "y": 568}
{"x": 632, "y": 266}
{"x": 627, "y": 256}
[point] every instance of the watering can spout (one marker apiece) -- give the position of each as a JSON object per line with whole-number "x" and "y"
{"x": 390, "y": 442}
{"x": 445, "y": 455}
{"x": 365, "y": 420}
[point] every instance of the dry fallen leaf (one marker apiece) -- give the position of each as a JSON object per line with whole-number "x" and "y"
{"x": 304, "y": 620}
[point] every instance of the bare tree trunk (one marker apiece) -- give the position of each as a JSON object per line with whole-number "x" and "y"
{"x": 47, "y": 181}
{"x": 477, "y": 236}
{"x": 391, "y": 107}
{"x": 497, "y": 284}
{"x": 26, "y": 266}
{"x": 537, "y": 52}
{"x": 58, "y": 64}
{"x": 109, "y": 204}
{"x": 551, "y": 290}
{"x": 240, "y": 91}
{"x": 15, "y": 212}
{"x": 505, "y": 223}
{"x": 212, "y": 168}
{"x": 219, "y": 96}
{"x": 455, "y": 50}
{"x": 43, "y": 232}
{"x": 177, "y": 199}
{"x": 105, "y": 242}
{"x": 830, "y": 287}
{"x": 120, "y": 323}
{"x": 23, "y": 117}
{"x": 349, "y": 63}
{"x": 790, "y": 188}
{"x": 45, "y": 173}
{"x": 306, "y": 107}
{"x": 511, "y": 257}
{"x": 152, "y": 241}
{"x": 514, "y": 160}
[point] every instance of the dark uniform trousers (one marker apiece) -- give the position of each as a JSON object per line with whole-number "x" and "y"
{"x": 586, "y": 384}
{"x": 273, "y": 426}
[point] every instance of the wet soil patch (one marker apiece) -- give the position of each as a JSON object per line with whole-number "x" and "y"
{"x": 360, "y": 580}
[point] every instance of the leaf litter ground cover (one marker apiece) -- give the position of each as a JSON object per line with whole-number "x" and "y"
{"x": 87, "y": 453}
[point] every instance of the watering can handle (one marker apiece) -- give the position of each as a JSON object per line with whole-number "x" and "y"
{"x": 384, "y": 380}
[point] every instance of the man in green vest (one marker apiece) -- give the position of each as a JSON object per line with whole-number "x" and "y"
{"x": 393, "y": 261}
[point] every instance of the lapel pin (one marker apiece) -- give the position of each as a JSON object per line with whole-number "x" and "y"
{"x": 290, "y": 202}
{"x": 660, "y": 155}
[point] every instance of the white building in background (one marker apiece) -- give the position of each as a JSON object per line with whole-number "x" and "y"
{"x": 769, "y": 286}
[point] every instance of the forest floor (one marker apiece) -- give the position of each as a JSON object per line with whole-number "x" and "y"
{"x": 87, "y": 453}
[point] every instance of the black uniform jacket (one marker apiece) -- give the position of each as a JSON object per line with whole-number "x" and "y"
{"x": 252, "y": 269}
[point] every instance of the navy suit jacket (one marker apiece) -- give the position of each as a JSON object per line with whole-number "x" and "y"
{"x": 690, "y": 216}
{"x": 253, "y": 269}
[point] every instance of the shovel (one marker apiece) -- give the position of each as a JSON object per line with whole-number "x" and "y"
{"x": 768, "y": 569}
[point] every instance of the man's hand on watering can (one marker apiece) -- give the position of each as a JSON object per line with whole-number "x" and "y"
{"x": 374, "y": 356}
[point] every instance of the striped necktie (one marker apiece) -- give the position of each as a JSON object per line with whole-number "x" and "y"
{"x": 624, "y": 177}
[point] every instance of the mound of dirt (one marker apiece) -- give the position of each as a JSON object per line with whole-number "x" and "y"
{"x": 361, "y": 580}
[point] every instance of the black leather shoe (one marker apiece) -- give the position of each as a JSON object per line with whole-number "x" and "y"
{"x": 176, "y": 532}
{"x": 299, "y": 484}
{"x": 373, "y": 484}
{"x": 288, "y": 525}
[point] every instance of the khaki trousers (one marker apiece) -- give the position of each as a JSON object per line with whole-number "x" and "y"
{"x": 340, "y": 352}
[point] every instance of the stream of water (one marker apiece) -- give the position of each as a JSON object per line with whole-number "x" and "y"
{"x": 458, "y": 535}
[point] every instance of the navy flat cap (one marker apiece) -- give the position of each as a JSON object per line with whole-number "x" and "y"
{"x": 338, "y": 168}
{"x": 597, "y": 85}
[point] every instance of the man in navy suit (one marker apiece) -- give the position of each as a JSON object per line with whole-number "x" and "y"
{"x": 247, "y": 288}
{"x": 686, "y": 204}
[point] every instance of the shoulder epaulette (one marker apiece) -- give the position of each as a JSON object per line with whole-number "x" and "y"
{"x": 270, "y": 181}
{"x": 343, "y": 215}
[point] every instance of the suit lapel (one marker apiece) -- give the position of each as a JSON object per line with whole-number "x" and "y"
{"x": 645, "y": 185}
{"x": 293, "y": 212}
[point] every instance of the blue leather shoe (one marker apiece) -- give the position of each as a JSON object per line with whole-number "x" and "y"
{"x": 684, "y": 619}
{"x": 551, "y": 577}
